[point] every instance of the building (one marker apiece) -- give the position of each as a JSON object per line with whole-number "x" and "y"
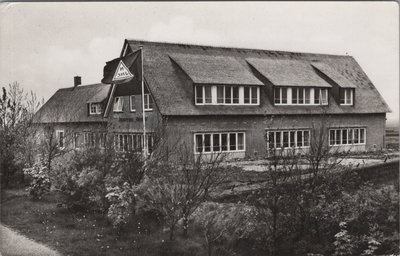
{"x": 215, "y": 99}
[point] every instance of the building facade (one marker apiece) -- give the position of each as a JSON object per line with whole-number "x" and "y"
{"x": 239, "y": 102}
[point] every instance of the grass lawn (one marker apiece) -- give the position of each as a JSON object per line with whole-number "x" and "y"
{"x": 82, "y": 234}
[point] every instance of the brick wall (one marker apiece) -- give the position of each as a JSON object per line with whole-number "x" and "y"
{"x": 183, "y": 128}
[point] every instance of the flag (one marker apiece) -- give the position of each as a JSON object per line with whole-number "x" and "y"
{"x": 122, "y": 70}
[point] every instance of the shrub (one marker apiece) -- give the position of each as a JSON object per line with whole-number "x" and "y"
{"x": 40, "y": 181}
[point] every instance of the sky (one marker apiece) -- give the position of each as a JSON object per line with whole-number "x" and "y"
{"x": 44, "y": 45}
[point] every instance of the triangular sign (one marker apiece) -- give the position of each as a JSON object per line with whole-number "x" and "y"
{"x": 122, "y": 72}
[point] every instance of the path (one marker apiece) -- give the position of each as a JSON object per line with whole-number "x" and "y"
{"x": 14, "y": 244}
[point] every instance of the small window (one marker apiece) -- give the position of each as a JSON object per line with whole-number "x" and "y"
{"x": 294, "y": 95}
{"x": 254, "y": 95}
{"x": 307, "y": 96}
{"x": 95, "y": 108}
{"x": 220, "y": 94}
{"x": 148, "y": 102}
{"x": 240, "y": 141}
{"x": 76, "y": 140}
{"x": 216, "y": 144}
{"x": 235, "y": 94}
{"x": 207, "y": 95}
{"x": 346, "y": 96}
{"x": 232, "y": 141}
{"x": 246, "y": 95}
{"x": 60, "y": 138}
{"x": 132, "y": 103}
{"x": 118, "y": 104}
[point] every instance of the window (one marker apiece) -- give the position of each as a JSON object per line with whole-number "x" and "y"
{"x": 347, "y": 136}
{"x": 132, "y": 103}
{"x": 321, "y": 96}
{"x": 346, "y": 96}
{"x": 60, "y": 135}
{"x": 288, "y": 138}
{"x": 227, "y": 95}
{"x": 148, "y": 102}
{"x": 76, "y": 140}
{"x": 118, "y": 104}
{"x": 95, "y": 108}
{"x": 88, "y": 139}
{"x": 280, "y": 95}
{"x": 219, "y": 142}
{"x": 132, "y": 142}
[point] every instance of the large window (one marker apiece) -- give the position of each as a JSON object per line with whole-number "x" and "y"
{"x": 300, "y": 96}
{"x": 347, "y": 136}
{"x": 118, "y": 104}
{"x": 125, "y": 142}
{"x": 95, "y": 108}
{"x": 219, "y": 142}
{"x": 288, "y": 139}
{"x": 227, "y": 95}
{"x": 148, "y": 102}
{"x": 346, "y": 96}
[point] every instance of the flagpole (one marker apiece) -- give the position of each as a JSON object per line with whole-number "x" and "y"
{"x": 143, "y": 111}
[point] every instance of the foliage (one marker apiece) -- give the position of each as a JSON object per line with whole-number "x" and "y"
{"x": 17, "y": 147}
{"x": 219, "y": 223}
{"x": 343, "y": 242}
{"x": 40, "y": 181}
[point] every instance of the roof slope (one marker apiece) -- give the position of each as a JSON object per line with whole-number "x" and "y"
{"x": 334, "y": 75}
{"x": 282, "y": 72}
{"x": 205, "y": 69}
{"x": 70, "y": 104}
{"x": 174, "y": 97}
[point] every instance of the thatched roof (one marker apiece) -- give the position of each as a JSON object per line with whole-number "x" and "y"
{"x": 334, "y": 75}
{"x": 173, "y": 93}
{"x": 204, "y": 69}
{"x": 71, "y": 104}
{"x": 284, "y": 72}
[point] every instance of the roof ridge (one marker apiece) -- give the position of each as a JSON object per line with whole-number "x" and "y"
{"x": 82, "y": 86}
{"x": 231, "y": 48}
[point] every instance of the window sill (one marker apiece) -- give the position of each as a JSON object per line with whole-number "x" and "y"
{"x": 148, "y": 110}
{"x": 354, "y": 144}
{"x": 219, "y": 152}
{"x": 118, "y": 111}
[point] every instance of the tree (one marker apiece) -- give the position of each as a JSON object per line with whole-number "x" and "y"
{"x": 16, "y": 114}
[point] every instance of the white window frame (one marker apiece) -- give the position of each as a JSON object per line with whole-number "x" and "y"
{"x": 146, "y": 104}
{"x": 58, "y": 132}
{"x": 280, "y": 132}
{"x": 120, "y": 106}
{"x": 97, "y": 108}
{"x": 214, "y": 95}
{"x": 352, "y": 139}
{"x": 76, "y": 138}
{"x": 220, "y": 142}
{"x": 303, "y": 90}
{"x": 345, "y": 92}
{"x": 132, "y": 141}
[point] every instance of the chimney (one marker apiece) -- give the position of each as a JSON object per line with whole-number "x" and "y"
{"x": 77, "y": 81}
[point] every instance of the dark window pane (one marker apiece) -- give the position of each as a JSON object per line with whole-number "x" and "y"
{"x": 277, "y": 93}
{"x": 220, "y": 94}
{"x": 207, "y": 94}
{"x": 285, "y": 139}
{"x": 224, "y": 141}
{"x": 301, "y": 95}
{"x": 341, "y": 92}
{"x": 299, "y": 138}
{"x": 306, "y": 138}
{"x": 278, "y": 139}
{"x": 331, "y": 137}
{"x": 316, "y": 96}
{"x": 235, "y": 94}
{"x": 246, "y": 95}
{"x": 207, "y": 142}
{"x": 292, "y": 138}
{"x": 199, "y": 94}
{"x": 284, "y": 95}
{"x": 240, "y": 141}
{"x": 228, "y": 95}
{"x": 294, "y": 95}
{"x": 199, "y": 143}
{"x": 338, "y": 138}
{"x": 344, "y": 136}
{"x": 307, "y": 95}
{"x": 216, "y": 145}
{"x": 356, "y": 136}
{"x": 271, "y": 140}
{"x": 362, "y": 135}
{"x": 232, "y": 141}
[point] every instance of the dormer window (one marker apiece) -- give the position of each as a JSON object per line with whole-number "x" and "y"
{"x": 346, "y": 96}
{"x": 148, "y": 102}
{"x": 95, "y": 108}
{"x": 118, "y": 104}
{"x": 227, "y": 95}
{"x": 300, "y": 96}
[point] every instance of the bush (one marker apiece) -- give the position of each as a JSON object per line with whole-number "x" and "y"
{"x": 40, "y": 181}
